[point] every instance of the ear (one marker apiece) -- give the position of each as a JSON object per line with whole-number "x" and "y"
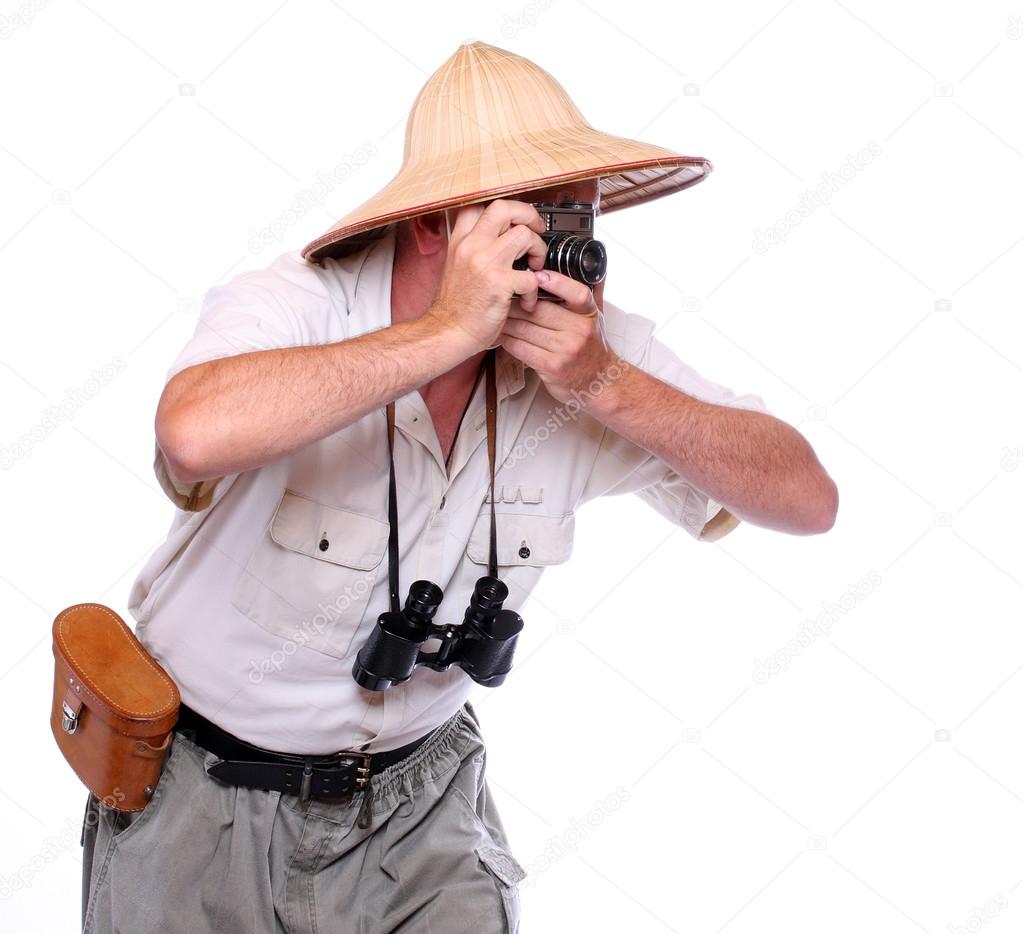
{"x": 429, "y": 233}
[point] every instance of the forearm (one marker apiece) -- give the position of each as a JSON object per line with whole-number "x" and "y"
{"x": 759, "y": 467}
{"x": 240, "y": 412}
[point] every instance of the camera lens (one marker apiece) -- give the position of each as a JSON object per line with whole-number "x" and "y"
{"x": 593, "y": 262}
{"x": 581, "y": 258}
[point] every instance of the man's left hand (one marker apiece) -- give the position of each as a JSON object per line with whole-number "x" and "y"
{"x": 564, "y": 342}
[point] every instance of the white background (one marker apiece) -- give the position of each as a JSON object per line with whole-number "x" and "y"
{"x": 647, "y": 778}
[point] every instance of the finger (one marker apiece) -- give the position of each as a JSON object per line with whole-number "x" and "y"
{"x": 554, "y": 315}
{"x": 501, "y": 214}
{"x": 465, "y": 219}
{"x": 516, "y": 309}
{"x": 536, "y": 334}
{"x": 519, "y": 241}
{"x": 575, "y": 294}
{"x": 532, "y": 356}
{"x": 524, "y": 285}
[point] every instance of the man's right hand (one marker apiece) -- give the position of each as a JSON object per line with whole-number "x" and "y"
{"x": 478, "y": 282}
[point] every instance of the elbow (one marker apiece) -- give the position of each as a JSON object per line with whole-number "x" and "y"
{"x": 178, "y": 443}
{"x": 826, "y": 511}
{"x": 813, "y": 506}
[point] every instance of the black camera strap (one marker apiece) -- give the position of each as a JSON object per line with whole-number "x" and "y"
{"x": 392, "y": 496}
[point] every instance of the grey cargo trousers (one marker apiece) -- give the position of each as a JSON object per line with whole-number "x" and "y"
{"x": 205, "y": 856}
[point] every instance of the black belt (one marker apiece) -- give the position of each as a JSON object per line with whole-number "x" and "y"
{"x": 325, "y": 776}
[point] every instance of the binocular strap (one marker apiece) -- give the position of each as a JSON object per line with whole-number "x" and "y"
{"x": 392, "y": 497}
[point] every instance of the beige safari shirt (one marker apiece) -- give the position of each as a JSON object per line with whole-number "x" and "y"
{"x": 259, "y": 625}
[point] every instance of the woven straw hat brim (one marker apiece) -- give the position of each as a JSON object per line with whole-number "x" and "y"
{"x": 490, "y": 123}
{"x": 621, "y": 185}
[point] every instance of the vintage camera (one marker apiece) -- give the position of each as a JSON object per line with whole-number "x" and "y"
{"x": 483, "y": 645}
{"x": 571, "y": 249}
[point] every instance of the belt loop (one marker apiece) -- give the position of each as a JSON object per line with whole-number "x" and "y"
{"x": 365, "y": 812}
{"x": 307, "y": 779}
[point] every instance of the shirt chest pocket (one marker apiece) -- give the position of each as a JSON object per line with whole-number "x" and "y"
{"x": 524, "y": 540}
{"x": 311, "y": 576}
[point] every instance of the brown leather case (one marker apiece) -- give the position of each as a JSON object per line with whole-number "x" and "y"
{"x": 114, "y": 707}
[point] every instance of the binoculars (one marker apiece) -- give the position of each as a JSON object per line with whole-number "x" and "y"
{"x": 483, "y": 644}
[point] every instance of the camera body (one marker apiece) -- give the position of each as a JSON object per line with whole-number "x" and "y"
{"x": 571, "y": 249}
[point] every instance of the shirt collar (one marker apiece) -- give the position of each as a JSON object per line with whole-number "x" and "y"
{"x": 372, "y": 305}
{"x": 513, "y": 370}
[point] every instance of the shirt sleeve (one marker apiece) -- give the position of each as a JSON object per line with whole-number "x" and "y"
{"x": 621, "y": 466}
{"x": 266, "y": 309}
{"x": 263, "y": 309}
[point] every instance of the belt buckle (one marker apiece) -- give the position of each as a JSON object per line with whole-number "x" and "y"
{"x": 361, "y": 771}
{"x": 345, "y": 760}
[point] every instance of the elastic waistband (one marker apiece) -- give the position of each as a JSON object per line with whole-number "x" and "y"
{"x": 443, "y": 750}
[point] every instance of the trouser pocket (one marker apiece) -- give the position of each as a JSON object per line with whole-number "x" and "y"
{"x": 508, "y": 874}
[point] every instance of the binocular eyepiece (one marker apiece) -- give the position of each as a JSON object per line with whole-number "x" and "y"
{"x": 483, "y": 644}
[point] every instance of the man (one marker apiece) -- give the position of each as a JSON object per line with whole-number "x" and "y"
{"x": 294, "y": 799}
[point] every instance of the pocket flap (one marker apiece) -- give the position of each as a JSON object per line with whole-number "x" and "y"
{"x": 329, "y": 533}
{"x": 523, "y": 538}
{"x": 501, "y": 864}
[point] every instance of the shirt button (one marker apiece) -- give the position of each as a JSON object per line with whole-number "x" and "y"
{"x": 524, "y": 551}
{"x": 443, "y": 499}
